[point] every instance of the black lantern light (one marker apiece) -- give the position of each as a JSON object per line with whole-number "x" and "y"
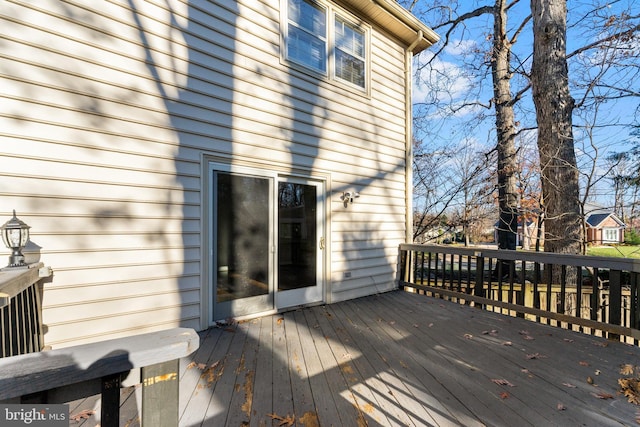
{"x": 15, "y": 234}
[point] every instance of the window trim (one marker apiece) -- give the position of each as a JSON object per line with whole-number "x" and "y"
{"x": 329, "y": 75}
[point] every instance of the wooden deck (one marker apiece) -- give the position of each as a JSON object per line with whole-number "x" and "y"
{"x": 397, "y": 359}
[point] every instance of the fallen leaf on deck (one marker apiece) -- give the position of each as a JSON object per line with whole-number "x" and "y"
{"x": 507, "y": 343}
{"x": 561, "y": 407}
{"x": 288, "y": 421}
{"x": 468, "y": 336}
{"x": 280, "y": 320}
{"x": 415, "y": 325}
{"x": 569, "y": 385}
{"x": 589, "y": 380}
{"x": 583, "y": 363}
{"x": 627, "y": 369}
{"x": 568, "y": 340}
{"x": 430, "y": 325}
{"x": 535, "y": 356}
{"x": 602, "y": 395}
{"x": 597, "y": 372}
{"x": 631, "y": 389}
{"x": 525, "y": 335}
{"x": 502, "y": 382}
{"x": 504, "y": 395}
{"x": 82, "y": 415}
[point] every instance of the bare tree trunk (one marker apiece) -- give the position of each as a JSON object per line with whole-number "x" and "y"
{"x": 554, "y": 107}
{"x": 505, "y": 129}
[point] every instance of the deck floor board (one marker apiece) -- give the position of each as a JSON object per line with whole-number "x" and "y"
{"x": 398, "y": 359}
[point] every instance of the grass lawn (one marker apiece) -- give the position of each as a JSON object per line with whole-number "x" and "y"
{"x": 615, "y": 251}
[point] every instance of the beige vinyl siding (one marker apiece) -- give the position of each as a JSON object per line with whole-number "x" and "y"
{"x": 107, "y": 114}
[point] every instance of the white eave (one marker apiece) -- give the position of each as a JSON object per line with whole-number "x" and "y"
{"x": 389, "y": 15}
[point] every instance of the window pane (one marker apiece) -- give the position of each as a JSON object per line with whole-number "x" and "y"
{"x": 309, "y": 16}
{"x": 306, "y": 37}
{"x": 349, "y": 38}
{"x": 349, "y": 68}
{"x": 349, "y": 52}
{"x": 306, "y": 49}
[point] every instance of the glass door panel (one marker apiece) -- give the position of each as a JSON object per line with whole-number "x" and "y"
{"x": 242, "y": 241}
{"x": 300, "y": 208}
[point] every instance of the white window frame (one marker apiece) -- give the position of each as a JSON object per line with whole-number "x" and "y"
{"x": 329, "y": 74}
{"x": 609, "y": 232}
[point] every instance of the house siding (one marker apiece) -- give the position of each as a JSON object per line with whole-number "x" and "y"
{"x": 109, "y": 113}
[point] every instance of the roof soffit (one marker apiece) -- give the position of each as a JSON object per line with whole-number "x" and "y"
{"x": 389, "y": 15}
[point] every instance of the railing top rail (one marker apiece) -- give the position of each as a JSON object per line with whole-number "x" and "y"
{"x": 623, "y": 264}
{"x": 15, "y": 280}
{"x": 34, "y": 372}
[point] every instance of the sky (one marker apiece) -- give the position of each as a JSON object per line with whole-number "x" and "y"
{"x": 456, "y": 71}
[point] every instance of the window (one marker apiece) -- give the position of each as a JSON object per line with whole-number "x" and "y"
{"x": 349, "y": 52}
{"x": 609, "y": 234}
{"x": 314, "y": 43}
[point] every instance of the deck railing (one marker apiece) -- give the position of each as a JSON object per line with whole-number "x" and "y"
{"x": 595, "y": 295}
{"x": 21, "y": 309}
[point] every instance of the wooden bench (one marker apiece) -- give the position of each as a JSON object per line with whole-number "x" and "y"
{"x": 63, "y": 375}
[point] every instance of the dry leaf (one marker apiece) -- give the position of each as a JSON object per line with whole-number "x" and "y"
{"x": 631, "y": 389}
{"x": 468, "y": 336}
{"x": 504, "y": 395}
{"x": 502, "y": 382}
{"x": 627, "y": 369}
{"x": 430, "y": 325}
{"x": 567, "y": 340}
{"x": 602, "y": 395}
{"x": 507, "y": 343}
{"x": 288, "y": 421}
{"x": 583, "y": 363}
{"x": 280, "y": 320}
{"x": 589, "y": 380}
{"x": 82, "y": 415}
{"x": 536, "y": 356}
{"x": 561, "y": 407}
{"x": 569, "y": 385}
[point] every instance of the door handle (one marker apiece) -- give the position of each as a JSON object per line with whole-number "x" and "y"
{"x": 322, "y": 243}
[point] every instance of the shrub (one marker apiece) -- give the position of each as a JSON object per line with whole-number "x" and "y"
{"x": 632, "y": 237}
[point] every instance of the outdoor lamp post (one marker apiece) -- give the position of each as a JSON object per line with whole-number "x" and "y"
{"x": 15, "y": 234}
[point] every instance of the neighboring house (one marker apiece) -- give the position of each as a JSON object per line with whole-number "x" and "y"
{"x": 604, "y": 227}
{"x": 525, "y": 235}
{"x": 183, "y": 162}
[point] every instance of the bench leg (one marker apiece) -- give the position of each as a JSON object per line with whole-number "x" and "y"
{"x": 160, "y": 394}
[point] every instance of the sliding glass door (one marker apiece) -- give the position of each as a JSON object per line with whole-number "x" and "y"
{"x": 267, "y": 241}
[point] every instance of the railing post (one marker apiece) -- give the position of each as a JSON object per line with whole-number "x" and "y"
{"x": 615, "y": 300}
{"x": 110, "y": 405}
{"x": 478, "y": 290}
{"x": 160, "y": 394}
